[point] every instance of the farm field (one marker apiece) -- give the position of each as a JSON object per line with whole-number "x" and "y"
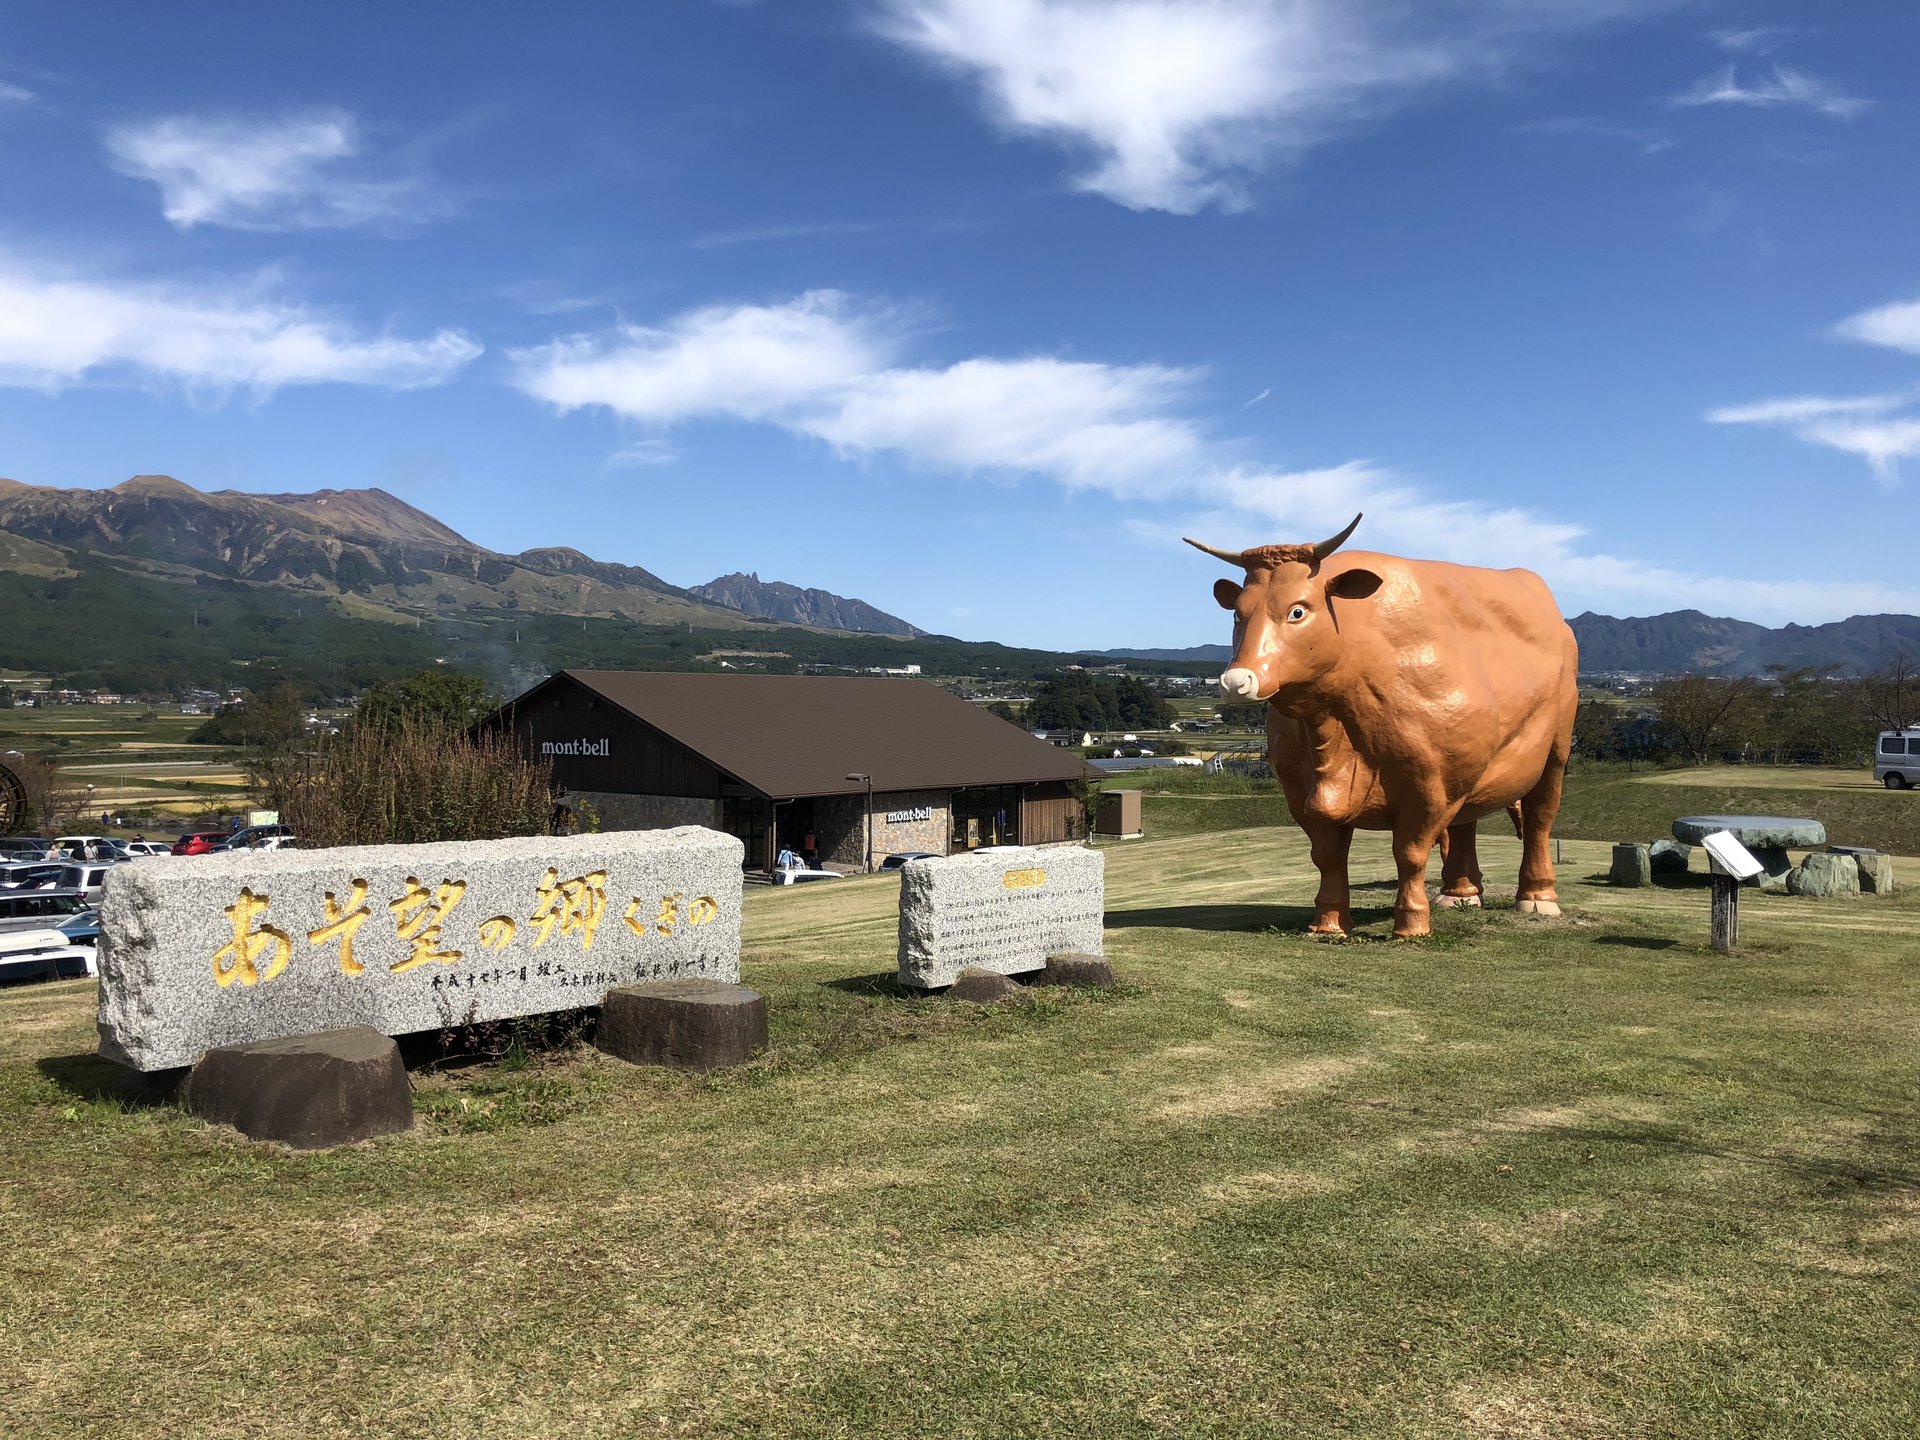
{"x": 1575, "y": 1178}
{"x": 137, "y": 757}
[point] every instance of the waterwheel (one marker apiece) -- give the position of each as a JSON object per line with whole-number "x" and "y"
{"x": 13, "y": 800}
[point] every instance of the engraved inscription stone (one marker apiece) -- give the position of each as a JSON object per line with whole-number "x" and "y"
{"x": 1003, "y": 910}
{"x": 216, "y": 950}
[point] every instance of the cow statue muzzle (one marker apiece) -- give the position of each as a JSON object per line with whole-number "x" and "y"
{"x": 1240, "y": 683}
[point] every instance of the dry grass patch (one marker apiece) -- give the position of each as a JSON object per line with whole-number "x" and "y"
{"x": 1263, "y": 1089}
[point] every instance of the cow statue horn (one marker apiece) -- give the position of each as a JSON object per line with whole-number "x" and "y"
{"x": 1232, "y": 557}
{"x": 1327, "y": 547}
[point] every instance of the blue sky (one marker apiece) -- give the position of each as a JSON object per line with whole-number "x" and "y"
{"x": 972, "y": 308}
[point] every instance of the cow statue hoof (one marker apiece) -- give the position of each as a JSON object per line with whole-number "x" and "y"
{"x": 1449, "y": 901}
{"x": 1538, "y": 907}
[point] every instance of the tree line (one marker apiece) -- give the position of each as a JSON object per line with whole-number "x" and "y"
{"x": 1812, "y": 715}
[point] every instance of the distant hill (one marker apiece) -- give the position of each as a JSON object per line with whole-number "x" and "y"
{"x": 790, "y": 605}
{"x": 365, "y": 545}
{"x": 1689, "y": 642}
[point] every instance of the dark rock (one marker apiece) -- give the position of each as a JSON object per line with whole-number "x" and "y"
{"x": 1076, "y": 969}
{"x": 307, "y": 1091}
{"x": 1631, "y": 866}
{"x": 984, "y": 987}
{"x": 1669, "y": 857}
{"x": 686, "y": 1024}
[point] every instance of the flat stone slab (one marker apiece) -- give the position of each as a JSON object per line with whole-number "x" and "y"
{"x": 307, "y": 1091}
{"x": 1756, "y": 832}
{"x": 687, "y": 1024}
{"x": 1005, "y": 910}
{"x": 215, "y": 950}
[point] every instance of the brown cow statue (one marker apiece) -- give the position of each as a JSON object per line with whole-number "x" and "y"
{"x": 1405, "y": 695}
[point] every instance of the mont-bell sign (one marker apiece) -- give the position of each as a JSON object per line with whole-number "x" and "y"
{"x": 583, "y": 747}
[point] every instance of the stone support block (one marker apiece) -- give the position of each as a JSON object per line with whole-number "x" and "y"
{"x": 1093, "y": 971}
{"x": 1632, "y": 866}
{"x": 1669, "y": 857}
{"x": 309, "y": 1091}
{"x": 685, "y": 1024}
{"x": 984, "y": 987}
{"x": 1876, "y": 873}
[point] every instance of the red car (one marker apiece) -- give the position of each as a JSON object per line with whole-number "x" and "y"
{"x": 198, "y": 843}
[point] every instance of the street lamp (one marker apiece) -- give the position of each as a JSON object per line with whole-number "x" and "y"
{"x": 868, "y": 779}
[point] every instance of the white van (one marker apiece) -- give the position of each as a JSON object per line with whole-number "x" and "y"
{"x": 1896, "y": 759}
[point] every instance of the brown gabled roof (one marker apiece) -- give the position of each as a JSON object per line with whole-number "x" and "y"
{"x": 789, "y": 735}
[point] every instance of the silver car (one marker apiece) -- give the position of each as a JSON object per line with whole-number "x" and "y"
{"x": 1896, "y": 759}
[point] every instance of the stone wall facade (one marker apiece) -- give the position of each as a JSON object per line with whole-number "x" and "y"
{"x": 841, "y": 826}
{"x": 619, "y": 811}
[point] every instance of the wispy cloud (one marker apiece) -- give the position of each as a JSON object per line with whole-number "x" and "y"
{"x": 1882, "y": 429}
{"x": 1755, "y": 39}
{"x": 11, "y": 94}
{"x": 771, "y": 234}
{"x": 641, "y": 455}
{"x": 1258, "y": 398}
{"x": 1178, "y": 103}
{"x": 298, "y": 172}
{"x": 58, "y": 330}
{"x": 1644, "y": 138}
{"x": 1896, "y": 326}
{"x": 825, "y": 367}
{"x": 1784, "y": 87}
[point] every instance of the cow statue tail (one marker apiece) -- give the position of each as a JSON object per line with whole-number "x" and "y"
{"x": 1513, "y": 814}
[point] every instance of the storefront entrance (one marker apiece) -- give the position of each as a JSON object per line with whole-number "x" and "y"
{"x": 986, "y": 815}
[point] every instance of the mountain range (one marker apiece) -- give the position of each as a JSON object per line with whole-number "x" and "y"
{"x": 379, "y": 556}
{"x": 1688, "y": 642}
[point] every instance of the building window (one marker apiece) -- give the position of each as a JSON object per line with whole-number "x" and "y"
{"x": 748, "y": 818}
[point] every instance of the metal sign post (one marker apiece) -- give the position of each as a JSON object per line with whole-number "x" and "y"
{"x": 1732, "y": 865}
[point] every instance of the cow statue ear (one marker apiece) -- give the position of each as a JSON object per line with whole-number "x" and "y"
{"x": 1353, "y": 584}
{"x": 1226, "y": 593}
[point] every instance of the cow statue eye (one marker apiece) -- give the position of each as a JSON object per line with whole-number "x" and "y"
{"x": 1298, "y": 612}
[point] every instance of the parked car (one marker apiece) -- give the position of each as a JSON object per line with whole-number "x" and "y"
{"x": 87, "y": 879}
{"x": 256, "y": 837}
{"x": 81, "y": 929}
{"x": 903, "y": 858}
{"x": 42, "y": 954}
{"x": 199, "y": 842}
{"x": 30, "y": 875}
{"x": 136, "y": 848}
{"x": 38, "y": 909}
{"x": 1896, "y": 759}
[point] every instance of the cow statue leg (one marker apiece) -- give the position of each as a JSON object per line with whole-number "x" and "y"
{"x": 1460, "y": 865}
{"x": 1413, "y": 842}
{"x": 1537, "y": 810}
{"x": 1332, "y": 909}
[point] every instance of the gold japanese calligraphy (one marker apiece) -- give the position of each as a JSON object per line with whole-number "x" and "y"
{"x": 575, "y": 904}
{"x": 497, "y": 932}
{"x": 421, "y": 914}
{"x": 342, "y": 921}
{"x": 242, "y": 953}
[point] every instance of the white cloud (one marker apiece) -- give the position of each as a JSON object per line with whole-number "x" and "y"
{"x": 293, "y": 173}
{"x": 1179, "y": 102}
{"x": 1869, "y": 426}
{"x": 1785, "y": 87}
{"x": 11, "y": 94}
{"x": 59, "y": 330}
{"x": 751, "y": 362}
{"x": 1896, "y": 326}
{"x": 823, "y": 367}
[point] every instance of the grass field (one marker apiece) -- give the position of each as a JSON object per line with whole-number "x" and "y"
{"x": 1575, "y": 1178}
{"x": 137, "y": 757}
